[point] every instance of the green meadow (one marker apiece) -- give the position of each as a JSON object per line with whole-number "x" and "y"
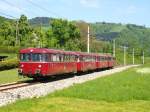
{"x": 127, "y": 91}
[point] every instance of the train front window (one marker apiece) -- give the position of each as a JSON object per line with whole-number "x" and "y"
{"x": 36, "y": 57}
{"x": 25, "y": 57}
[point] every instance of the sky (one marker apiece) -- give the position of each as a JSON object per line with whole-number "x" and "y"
{"x": 116, "y": 11}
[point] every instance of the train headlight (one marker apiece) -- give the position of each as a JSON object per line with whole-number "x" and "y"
{"x": 39, "y": 66}
{"x": 22, "y": 65}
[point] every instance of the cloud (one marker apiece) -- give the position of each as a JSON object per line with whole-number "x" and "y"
{"x": 90, "y": 3}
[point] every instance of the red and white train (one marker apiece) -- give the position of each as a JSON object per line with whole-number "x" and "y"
{"x": 42, "y": 62}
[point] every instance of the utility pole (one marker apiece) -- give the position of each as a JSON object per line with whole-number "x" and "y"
{"x": 41, "y": 40}
{"x": 88, "y": 40}
{"x": 143, "y": 58}
{"x": 114, "y": 48}
{"x": 124, "y": 49}
{"x": 17, "y": 40}
{"x": 133, "y": 55}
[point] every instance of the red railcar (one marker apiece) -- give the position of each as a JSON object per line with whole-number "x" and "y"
{"x": 41, "y": 62}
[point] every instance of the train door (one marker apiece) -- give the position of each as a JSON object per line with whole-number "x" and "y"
{"x": 79, "y": 61}
{"x": 49, "y": 64}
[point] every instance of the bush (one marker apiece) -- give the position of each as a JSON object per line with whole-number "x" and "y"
{"x": 9, "y": 64}
{"x": 9, "y": 49}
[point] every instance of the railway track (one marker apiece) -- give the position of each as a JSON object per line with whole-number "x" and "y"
{"x": 16, "y": 85}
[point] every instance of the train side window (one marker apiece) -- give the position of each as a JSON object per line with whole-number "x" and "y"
{"x": 101, "y": 58}
{"x": 67, "y": 58}
{"x": 49, "y": 58}
{"x": 84, "y": 58}
{"x": 64, "y": 58}
{"x": 98, "y": 58}
{"x": 80, "y": 58}
{"x": 95, "y": 58}
{"x": 58, "y": 59}
{"x": 54, "y": 57}
{"x": 71, "y": 58}
{"x": 45, "y": 57}
{"x": 77, "y": 59}
{"x": 109, "y": 59}
{"x": 104, "y": 58}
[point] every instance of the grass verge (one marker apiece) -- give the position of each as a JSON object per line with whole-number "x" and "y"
{"x": 127, "y": 91}
{"x": 9, "y": 76}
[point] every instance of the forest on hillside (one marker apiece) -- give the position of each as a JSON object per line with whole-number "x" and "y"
{"x": 72, "y": 35}
{"x": 52, "y": 33}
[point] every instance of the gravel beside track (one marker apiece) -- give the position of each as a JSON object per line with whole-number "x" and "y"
{"x": 45, "y": 88}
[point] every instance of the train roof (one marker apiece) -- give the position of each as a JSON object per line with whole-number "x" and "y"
{"x": 45, "y": 50}
{"x": 36, "y": 50}
{"x": 54, "y": 51}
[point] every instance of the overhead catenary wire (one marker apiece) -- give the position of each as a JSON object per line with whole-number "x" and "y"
{"x": 43, "y": 8}
{"x": 10, "y": 16}
{"x": 7, "y": 15}
{"x": 10, "y": 4}
{"x": 19, "y": 8}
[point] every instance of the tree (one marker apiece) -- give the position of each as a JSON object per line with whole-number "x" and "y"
{"x": 62, "y": 33}
{"x": 6, "y": 33}
{"x": 25, "y": 31}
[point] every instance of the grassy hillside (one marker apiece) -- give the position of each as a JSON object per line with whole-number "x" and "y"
{"x": 3, "y": 19}
{"x": 129, "y": 35}
{"x": 43, "y": 21}
{"x": 127, "y": 91}
{"x": 61, "y": 35}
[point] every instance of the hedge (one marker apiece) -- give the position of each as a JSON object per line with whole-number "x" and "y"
{"x": 9, "y": 64}
{"x": 9, "y": 49}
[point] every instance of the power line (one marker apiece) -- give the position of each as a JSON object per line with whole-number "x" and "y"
{"x": 7, "y": 15}
{"x": 42, "y": 8}
{"x": 21, "y": 9}
{"x": 88, "y": 40}
{"x": 5, "y": 1}
{"x": 10, "y": 16}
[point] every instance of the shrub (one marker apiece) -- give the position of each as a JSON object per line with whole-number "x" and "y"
{"x": 9, "y": 64}
{"x": 9, "y": 49}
